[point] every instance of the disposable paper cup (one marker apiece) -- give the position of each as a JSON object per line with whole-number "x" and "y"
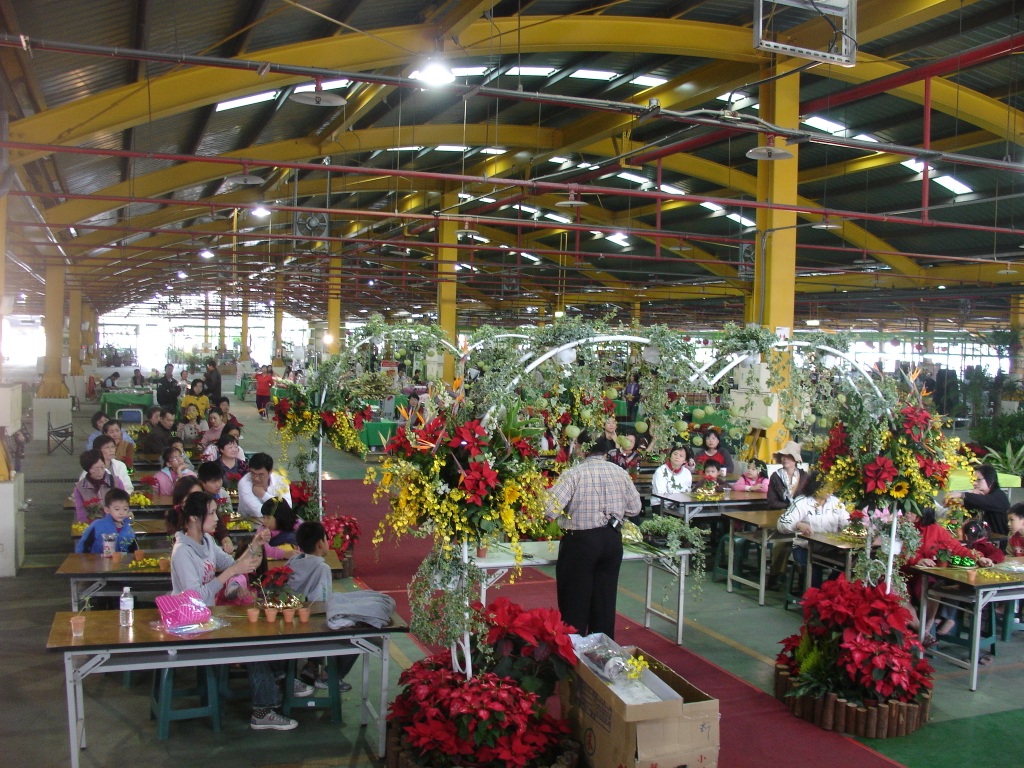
{"x": 77, "y": 626}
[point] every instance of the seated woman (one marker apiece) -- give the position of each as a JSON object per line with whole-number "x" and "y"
{"x": 785, "y": 483}
{"x": 185, "y": 486}
{"x": 138, "y": 380}
{"x": 198, "y": 564}
{"x": 625, "y": 454}
{"x": 105, "y": 445}
{"x": 228, "y": 460}
{"x": 754, "y": 477}
{"x": 673, "y": 476}
{"x": 215, "y": 430}
{"x": 90, "y": 491}
{"x": 935, "y": 538}
{"x": 124, "y": 446}
{"x": 197, "y": 397}
{"x": 713, "y": 450}
{"x": 988, "y": 498}
{"x": 814, "y": 510}
{"x": 174, "y": 468}
{"x": 191, "y": 427}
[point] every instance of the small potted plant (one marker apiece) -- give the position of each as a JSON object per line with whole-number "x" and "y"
{"x": 671, "y": 533}
{"x": 78, "y": 620}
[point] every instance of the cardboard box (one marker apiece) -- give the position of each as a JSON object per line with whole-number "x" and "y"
{"x": 680, "y": 730}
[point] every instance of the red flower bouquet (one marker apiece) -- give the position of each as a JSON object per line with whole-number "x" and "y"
{"x": 342, "y": 533}
{"x": 531, "y": 647}
{"x": 485, "y": 721}
{"x": 855, "y": 642}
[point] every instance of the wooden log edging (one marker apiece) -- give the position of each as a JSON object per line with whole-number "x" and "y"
{"x": 831, "y": 713}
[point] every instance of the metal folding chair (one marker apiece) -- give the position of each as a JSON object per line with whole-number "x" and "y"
{"x": 59, "y": 437}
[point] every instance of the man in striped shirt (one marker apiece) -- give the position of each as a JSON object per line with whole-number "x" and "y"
{"x": 590, "y": 501}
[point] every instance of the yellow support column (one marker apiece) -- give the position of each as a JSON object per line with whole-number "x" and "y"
{"x": 774, "y": 289}
{"x": 447, "y": 307}
{"x": 243, "y": 351}
{"x": 334, "y": 267}
{"x": 278, "y": 318}
{"x": 75, "y": 330}
{"x": 3, "y": 272}
{"x": 1017, "y": 326}
{"x": 52, "y": 384}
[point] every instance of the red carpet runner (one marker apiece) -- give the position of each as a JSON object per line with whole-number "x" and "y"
{"x": 756, "y": 730}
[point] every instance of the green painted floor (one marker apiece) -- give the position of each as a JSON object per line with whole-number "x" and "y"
{"x": 979, "y": 729}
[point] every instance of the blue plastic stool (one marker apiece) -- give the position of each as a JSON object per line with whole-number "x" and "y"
{"x": 161, "y": 704}
{"x": 332, "y": 701}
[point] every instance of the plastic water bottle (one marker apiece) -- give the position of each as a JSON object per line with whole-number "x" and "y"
{"x": 127, "y": 608}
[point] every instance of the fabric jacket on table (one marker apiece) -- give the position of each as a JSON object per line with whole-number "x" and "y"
{"x": 92, "y": 538}
{"x": 195, "y": 566}
{"x": 311, "y": 576}
{"x": 593, "y": 492}
{"x": 829, "y": 516}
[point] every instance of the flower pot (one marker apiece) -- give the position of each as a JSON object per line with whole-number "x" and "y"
{"x": 140, "y": 555}
{"x": 481, "y": 553}
{"x": 303, "y": 615}
{"x": 164, "y": 564}
{"x": 77, "y": 626}
{"x": 115, "y": 557}
{"x": 253, "y": 614}
{"x": 271, "y": 614}
{"x": 288, "y": 614}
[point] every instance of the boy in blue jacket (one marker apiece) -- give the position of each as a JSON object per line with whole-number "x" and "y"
{"x": 115, "y": 520}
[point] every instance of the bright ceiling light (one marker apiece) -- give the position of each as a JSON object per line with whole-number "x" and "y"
{"x": 712, "y": 206}
{"x": 594, "y": 74}
{"x": 182, "y": 275}
{"x": 648, "y": 81}
{"x": 329, "y": 85}
{"x": 813, "y": 323}
{"x": 635, "y": 178}
{"x": 450, "y": 148}
{"x": 866, "y": 137}
{"x": 206, "y": 253}
{"x": 828, "y": 126}
{"x": 556, "y": 217}
{"x": 915, "y": 165}
{"x": 469, "y": 71}
{"x": 404, "y": 149}
{"x": 261, "y": 210}
{"x": 531, "y": 71}
{"x": 741, "y": 220}
{"x": 245, "y": 101}
{"x": 435, "y": 73}
{"x": 493, "y": 151}
{"x": 732, "y": 97}
{"x": 954, "y": 186}
{"x": 668, "y": 189}
{"x": 328, "y": 338}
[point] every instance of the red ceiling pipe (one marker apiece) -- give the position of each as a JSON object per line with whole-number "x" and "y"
{"x": 959, "y": 61}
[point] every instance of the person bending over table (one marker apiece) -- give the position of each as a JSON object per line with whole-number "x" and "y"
{"x": 589, "y": 501}
{"x": 988, "y": 498}
{"x": 197, "y": 563}
{"x": 673, "y": 476}
{"x": 815, "y": 510}
{"x": 260, "y": 485}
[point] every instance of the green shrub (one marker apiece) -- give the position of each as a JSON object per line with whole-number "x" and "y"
{"x": 998, "y": 431}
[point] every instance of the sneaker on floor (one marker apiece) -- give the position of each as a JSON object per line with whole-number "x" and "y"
{"x": 272, "y": 722}
{"x": 308, "y": 675}
{"x": 300, "y": 690}
{"x": 321, "y": 683}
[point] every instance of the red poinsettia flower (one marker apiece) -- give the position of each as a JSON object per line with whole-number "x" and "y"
{"x": 608, "y": 406}
{"x": 359, "y": 417}
{"x": 329, "y": 419}
{"x": 932, "y": 468}
{"x": 149, "y": 480}
{"x": 915, "y": 421}
{"x": 478, "y": 480}
{"x": 301, "y": 492}
{"x": 526, "y": 450}
{"x": 879, "y": 473}
{"x": 472, "y": 436}
{"x": 399, "y": 444}
{"x": 565, "y": 419}
{"x": 838, "y": 445}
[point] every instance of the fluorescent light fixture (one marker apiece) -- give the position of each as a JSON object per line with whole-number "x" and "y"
{"x": 668, "y": 189}
{"x": 954, "y": 186}
{"x": 493, "y": 151}
{"x": 465, "y": 196}
{"x": 245, "y": 101}
{"x": 486, "y": 200}
{"x": 813, "y": 323}
{"x": 261, "y": 210}
{"x": 741, "y": 220}
{"x": 822, "y": 124}
{"x": 450, "y": 148}
{"x": 370, "y": 281}
{"x": 480, "y": 238}
{"x": 531, "y": 71}
{"x": 732, "y": 97}
{"x": 594, "y": 74}
{"x": 556, "y": 217}
{"x": 620, "y": 239}
{"x": 866, "y": 137}
{"x": 469, "y": 71}
{"x": 525, "y": 208}
{"x": 586, "y": 165}
{"x": 330, "y": 85}
{"x": 648, "y": 81}
{"x": 712, "y": 206}
{"x": 635, "y": 178}
{"x": 182, "y": 275}
{"x": 558, "y": 159}
{"x": 559, "y": 313}
{"x": 530, "y": 256}
{"x": 206, "y": 253}
{"x": 915, "y": 165}
{"x": 404, "y": 149}
{"x": 942, "y": 287}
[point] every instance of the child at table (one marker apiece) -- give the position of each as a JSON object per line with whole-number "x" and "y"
{"x": 1015, "y": 520}
{"x": 191, "y": 427}
{"x": 94, "y": 486}
{"x": 115, "y": 520}
{"x": 754, "y": 478}
{"x": 211, "y": 479}
{"x": 280, "y": 520}
{"x": 712, "y": 473}
{"x": 312, "y": 577}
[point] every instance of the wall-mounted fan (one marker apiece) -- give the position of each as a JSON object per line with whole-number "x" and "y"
{"x": 312, "y": 225}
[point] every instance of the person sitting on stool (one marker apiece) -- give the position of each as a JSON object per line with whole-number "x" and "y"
{"x": 589, "y": 501}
